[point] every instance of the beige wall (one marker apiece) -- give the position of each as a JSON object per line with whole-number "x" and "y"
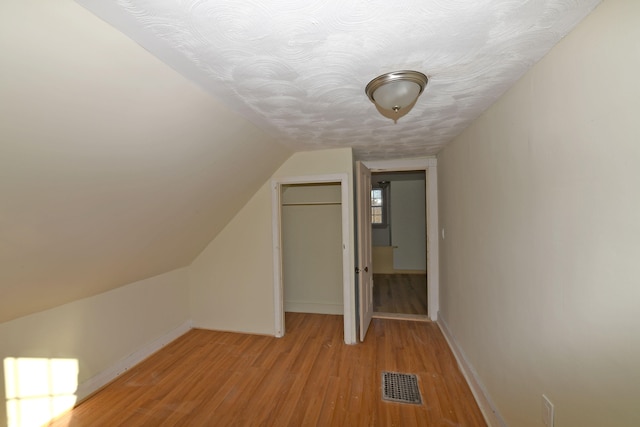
{"x": 311, "y": 226}
{"x": 539, "y": 199}
{"x": 110, "y": 160}
{"x": 231, "y": 282}
{"x": 99, "y": 331}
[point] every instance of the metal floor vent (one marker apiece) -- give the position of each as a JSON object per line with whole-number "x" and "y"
{"x": 401, "y": 388}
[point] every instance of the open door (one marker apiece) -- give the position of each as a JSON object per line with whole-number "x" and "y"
{"x": 364, "y": 268}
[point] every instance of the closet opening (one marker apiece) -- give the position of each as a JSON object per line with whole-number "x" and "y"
{"x": 311, "y": 233}
{"x": 311, "y": 251}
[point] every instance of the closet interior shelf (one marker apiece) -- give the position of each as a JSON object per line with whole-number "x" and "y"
{"x": 313, "y": 204}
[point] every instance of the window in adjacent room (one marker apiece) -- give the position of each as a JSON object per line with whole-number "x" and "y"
{"x": 378, "y": 203}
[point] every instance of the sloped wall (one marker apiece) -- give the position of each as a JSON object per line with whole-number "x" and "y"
{"x": 539, "y": 200}
{"x": 111, "y": 162}
{"x": 231, "y": 282}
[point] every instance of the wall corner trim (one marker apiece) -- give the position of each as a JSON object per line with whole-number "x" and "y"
{"x": 487, "y": 407}
{"x": 95, "y": 383}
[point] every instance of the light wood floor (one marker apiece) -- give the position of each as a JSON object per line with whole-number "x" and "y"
{"x": 308, "y": 378}
{"x": 400, "y": 293}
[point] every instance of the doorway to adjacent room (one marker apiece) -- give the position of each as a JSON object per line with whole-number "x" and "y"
{"x": 399, "y": 244}
{"x": 404, "y": 278}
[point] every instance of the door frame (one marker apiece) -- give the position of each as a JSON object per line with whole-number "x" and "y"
{"x": 430, "y": 166}
{"x": 347, "y": 262}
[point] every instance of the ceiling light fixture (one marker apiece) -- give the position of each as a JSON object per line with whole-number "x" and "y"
{"x": 397, "y": 91}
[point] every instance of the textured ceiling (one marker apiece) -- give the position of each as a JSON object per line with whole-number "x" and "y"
{"x": 298, "y": 69}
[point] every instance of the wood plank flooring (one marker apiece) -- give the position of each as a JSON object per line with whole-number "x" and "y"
{"x": 400, "y": 293}
{"x": 307, "y": 378}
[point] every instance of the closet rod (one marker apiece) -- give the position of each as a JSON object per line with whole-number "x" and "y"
{"x": 312, "y": 204}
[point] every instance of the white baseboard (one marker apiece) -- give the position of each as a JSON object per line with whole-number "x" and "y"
{"x": 487, "y": 407}
{"x": 308, "y": 307}
{"x": 93, "y": 384}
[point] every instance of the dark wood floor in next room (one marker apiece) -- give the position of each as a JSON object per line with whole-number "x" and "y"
{"x": 400, "y": 293}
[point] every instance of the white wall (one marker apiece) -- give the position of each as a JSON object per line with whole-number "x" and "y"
{"x": 539, "y": 199}
{"x": 408, "y": 224}
{"x": 100, "y": 332}
{"x": 311, "y": 227}
{"x": 231, "y": 282}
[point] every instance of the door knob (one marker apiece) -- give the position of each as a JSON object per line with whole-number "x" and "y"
{"x": 366, "y": 269}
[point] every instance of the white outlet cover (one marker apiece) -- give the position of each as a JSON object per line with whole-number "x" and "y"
{"x": 547, "y": 411}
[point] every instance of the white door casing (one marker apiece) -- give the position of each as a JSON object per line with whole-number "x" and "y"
{"x": 347, "y": 255}
{"x": 430, "y": 166}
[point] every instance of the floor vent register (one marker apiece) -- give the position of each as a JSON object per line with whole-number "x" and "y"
{"x": 402, "y": 388}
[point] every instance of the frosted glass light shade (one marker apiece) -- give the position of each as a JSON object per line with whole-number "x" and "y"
{"x": 396, "y": 95}
{"x": 397, "y": 90}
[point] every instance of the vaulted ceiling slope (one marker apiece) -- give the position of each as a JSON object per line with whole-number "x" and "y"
{"x": 113, "y": 167}
{"x": 299, "y": 69}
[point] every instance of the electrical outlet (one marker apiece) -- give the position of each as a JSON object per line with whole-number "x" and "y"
{"x": 547, "y": 411}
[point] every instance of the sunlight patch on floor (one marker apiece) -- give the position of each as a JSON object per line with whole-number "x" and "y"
{"x": 38, "y": 389}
